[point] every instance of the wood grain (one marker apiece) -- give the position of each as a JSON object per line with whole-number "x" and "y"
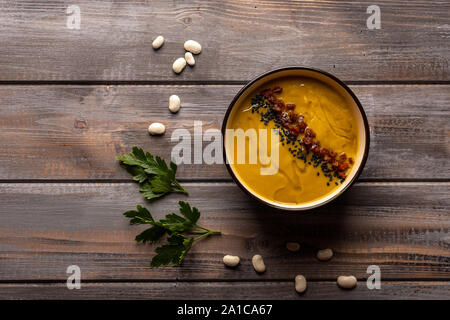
{"x": 75, "y": 132}
{"x": 270, "y": 290}
{"x": 240, "y": 39}
{"x": 401, "y": 227}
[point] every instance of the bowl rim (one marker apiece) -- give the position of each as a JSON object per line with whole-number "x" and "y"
{"x": 288, "y": 68}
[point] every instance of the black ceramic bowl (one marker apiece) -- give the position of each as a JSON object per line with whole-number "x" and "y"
{"x": 351, "y": 99}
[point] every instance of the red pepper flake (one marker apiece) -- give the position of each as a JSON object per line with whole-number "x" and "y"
{"x": 315, "y": 148}
{"x": 323, "y": 152}
{"x": 277, "y": 90}
{"x": 279, "y": 103}
{"x": 343, "y": 156}
{"x": 309, "y": 133}
{"x": 285, "y": 117}
{"x": 350, "y": 160}
{"x": 277, "y": 109}
{"x": 332, "y": 154}
{"x": 290, "y": 106}
{"x": 293, "y": 118}
{"x": 307, "y": 142}
{"x": 266, "y": 92}
{"x": 343, "y": 166}
{"x": 335, "y": 165}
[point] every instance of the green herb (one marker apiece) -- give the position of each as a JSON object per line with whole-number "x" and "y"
{"x": 152, "y": 173}
{"x": 174, "y": 225}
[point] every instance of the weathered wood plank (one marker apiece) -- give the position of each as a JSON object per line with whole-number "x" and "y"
{"x": 401, "y": 227}
{"x": 240, "y": 39}
{"x": 75, "y": 132}
{"x": 225, "y": 290}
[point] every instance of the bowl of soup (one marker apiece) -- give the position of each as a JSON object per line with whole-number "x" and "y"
{"x": 295, "y": 138}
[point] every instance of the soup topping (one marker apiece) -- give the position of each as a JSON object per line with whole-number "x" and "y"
{"x": 291, "y": 125}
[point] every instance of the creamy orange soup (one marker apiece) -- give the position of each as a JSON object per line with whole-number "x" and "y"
{"x": 302, "y": 175}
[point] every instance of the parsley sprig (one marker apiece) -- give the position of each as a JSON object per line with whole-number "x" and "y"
{"x": 178, "y": 244}
{"x": 152, "y": 173}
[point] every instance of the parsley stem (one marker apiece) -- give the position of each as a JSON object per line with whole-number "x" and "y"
{"x": 196, "y": 232}
{"x": 210, "y": 232}
{"x": 207, "y": 230}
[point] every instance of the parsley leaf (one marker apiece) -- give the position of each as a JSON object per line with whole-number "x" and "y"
{"x": 161, "y": 184}
{"x": 156, "y": 179}
{"x": 174, "y": 225}
{"x": 145, "y": 160}
{"x": 139, "y": 216}
{"x": 147, "y": 191}
{"x": 138, "y": 173}
{"x": 143, "y": 216}
{"x": 174, "y": 252}
{"x": 151, "y": 235}
{"x": 192, "y": 214}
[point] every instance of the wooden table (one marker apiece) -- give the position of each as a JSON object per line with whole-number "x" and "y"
{"x": 72, "y": 100}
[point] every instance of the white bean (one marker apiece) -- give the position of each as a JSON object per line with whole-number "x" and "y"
{"x": 193, "y": 46}
{"x": 347, "y": 282}
{"x": 325, "y": 254}
{"x": 158, "y": 42}
{"x": 231, "y": 261}
{"x": 156, "y": 128}
{"x": 258, "y": 263}
{"x": 189, "y": 58}
{"x": 174, "y": 103}
{"x": 179, "y": 65}
{"x": 292, "y": 246}
{"x": 300, "y": 283}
